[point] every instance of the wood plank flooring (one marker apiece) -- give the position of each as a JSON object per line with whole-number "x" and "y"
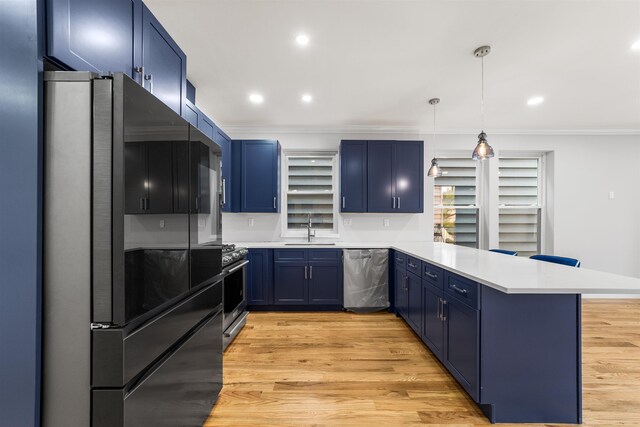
{"x": 341, "y": 369}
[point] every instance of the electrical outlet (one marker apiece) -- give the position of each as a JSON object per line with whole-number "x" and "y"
{"x": 347, "y": 221}
{"x": 612, "y": 195}
{"x": 385, "y": 222}
{"x": 162, "y": 223}
{"x": 251, "y": 222}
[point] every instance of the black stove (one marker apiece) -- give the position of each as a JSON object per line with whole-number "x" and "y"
{"x": 232, "y": 254}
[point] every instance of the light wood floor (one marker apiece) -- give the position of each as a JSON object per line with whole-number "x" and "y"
{"x": 339, "y": 369}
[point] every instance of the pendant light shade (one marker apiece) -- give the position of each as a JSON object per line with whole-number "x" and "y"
{"x": 483, "y": 149}
{"x": 434, "y": 170}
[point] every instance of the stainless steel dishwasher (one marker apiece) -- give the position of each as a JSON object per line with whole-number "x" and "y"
{"x": 366, "y": 280}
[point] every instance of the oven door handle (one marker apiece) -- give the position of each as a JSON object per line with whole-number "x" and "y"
{"x": 237, "y": 267}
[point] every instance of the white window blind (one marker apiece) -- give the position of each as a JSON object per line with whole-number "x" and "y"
{"x": 310, "y": 191}
{"x": 520, "y": 208}
{"x": 455, "y": 205}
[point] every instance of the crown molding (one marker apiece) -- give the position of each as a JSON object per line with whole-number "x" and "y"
{"x": 419, "y": 131}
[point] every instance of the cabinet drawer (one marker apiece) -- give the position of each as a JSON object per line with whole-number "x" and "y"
{"x": 462, "y": 289}
{"x": 400, "y": 260}
{"x": 414, "y": 265}
{"x": 290, "y": 254}
{"x": 434, "y": 275}
{"x": 330, "y": 255}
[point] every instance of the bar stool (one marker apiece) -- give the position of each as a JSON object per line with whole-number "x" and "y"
{"x": 571, "y": 262}
{"x": 504, "y": 251}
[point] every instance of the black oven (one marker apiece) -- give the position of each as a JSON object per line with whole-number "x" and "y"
{"x": 234, "y": 292}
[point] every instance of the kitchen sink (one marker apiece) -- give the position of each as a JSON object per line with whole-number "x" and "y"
{"x": 309, "y": 244}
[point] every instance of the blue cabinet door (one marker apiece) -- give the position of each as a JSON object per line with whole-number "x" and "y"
{"x": 260, "y": 162}
{"x": 260, "y": 277}
{"x": 353, "y": 176}
{"x": 408, "y": 176}
{"x": 99, "y": 36}
{"x": 206, "y": 125}
{"x": 325, "y": 283}
{"x": 432, "y": 323}
{"x": 402, "y": 294}
{"x": 462, "y": 345}
{"x": 165, "y": 64}
{"x": 290, "y": 283}
{"x": 190, "y": 113}
{"x": 380, "y": 191}
{"x": 230, "y": 172}
{"x": 414, "y": 303}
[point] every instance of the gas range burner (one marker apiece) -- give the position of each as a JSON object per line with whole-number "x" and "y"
{"x": 228, "y": 248}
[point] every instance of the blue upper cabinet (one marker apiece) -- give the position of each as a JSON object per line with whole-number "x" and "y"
{"x": 230, "y": 171}
{"x": 206, "y": 125}
{"x": 165, "y": 64}
{"x": 107, "y": 36}
{"x": 190, "y": 113}
{"x": 353, "y": 176}
{"x": 259, "y": 176}
{"x": 98, "y": 36}
{"x": 408, "y": 176}
{"x": 382, "y": 176}
{"x": 380, "y": 193}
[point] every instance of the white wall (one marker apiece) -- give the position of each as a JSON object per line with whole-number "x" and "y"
{"x": 604, "y": 234}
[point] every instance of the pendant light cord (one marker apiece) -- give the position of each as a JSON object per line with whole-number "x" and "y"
{"x": 482, "y": 95}
{"x": 434, "y": 122}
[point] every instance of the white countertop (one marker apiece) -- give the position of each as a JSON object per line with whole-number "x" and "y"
{"x": 509, "y": 274}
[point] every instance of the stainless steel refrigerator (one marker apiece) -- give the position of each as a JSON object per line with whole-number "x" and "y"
{"x": 132, "y": 293}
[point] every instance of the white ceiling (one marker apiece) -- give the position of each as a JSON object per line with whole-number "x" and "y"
{"x": 376, "y": 63}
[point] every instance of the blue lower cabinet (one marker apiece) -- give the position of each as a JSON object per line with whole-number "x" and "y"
{"x": 414, "y": 303}
{"x": 260, "y": 277}
{"x": 291, "y": 283}
{"x": 432, "y": 324}
{"x": 401, "y": 292}
{"x": 462, "y": 345}
{"x": 325, "y": 283}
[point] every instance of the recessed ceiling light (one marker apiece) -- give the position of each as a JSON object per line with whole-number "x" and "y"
{"x": 256, "y": 98}
{"x": 306, "y": 98}
{"x": 536, "y": 100}
{"x": 636, "y": 45}
{"x": 302, "y": 39}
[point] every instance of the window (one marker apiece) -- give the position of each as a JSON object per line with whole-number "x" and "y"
{"x": 455, "y": 207}
{"x": 310, "y": 191}
{"x": 520, "y": 207}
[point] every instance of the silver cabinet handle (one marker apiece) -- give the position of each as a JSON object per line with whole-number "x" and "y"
{"x": 141, "y": 204}
{"x": 394, "y": 202}
{"x": 412, "y": 265}
{"x": 438, "y": 312}
{"x": 406, "y": 283}
{"x": 274, "y": 202}
{"x": 444, "y": 317}
{"x": 431, "y": 275}
{"x": 343, "y": 202}
{"x": 458, "y": 290}
{"x": 311, "y": 272}
{"x": 197, "y": 204}
{"x": 149, "y": 78}
{"x": 305, "y": 272}
{"x": 146, "y": 204}
{"x": 140, "y": 72}
{"x": 398, "y": 202}
{"x": 224, "y": 192}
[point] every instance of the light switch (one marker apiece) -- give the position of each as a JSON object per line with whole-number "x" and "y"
{"x": 612, "y": 195}
{"x": 385, "y": 222}
{"x": 162, "y": 223}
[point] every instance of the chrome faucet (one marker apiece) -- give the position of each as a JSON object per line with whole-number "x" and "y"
{"x": 309, "y": 234}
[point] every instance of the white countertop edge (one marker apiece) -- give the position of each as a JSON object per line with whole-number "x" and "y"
{"x": 590, "y": 280}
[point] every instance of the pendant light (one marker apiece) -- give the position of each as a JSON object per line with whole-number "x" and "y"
{"x": 483, "y": 149}
{"x": 434, "y": 170}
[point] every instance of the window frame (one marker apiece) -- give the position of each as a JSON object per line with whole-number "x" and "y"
{"x": 291, "y": 233}
{"x": 478, "y": 195}
{"x": 542, "y": 193}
